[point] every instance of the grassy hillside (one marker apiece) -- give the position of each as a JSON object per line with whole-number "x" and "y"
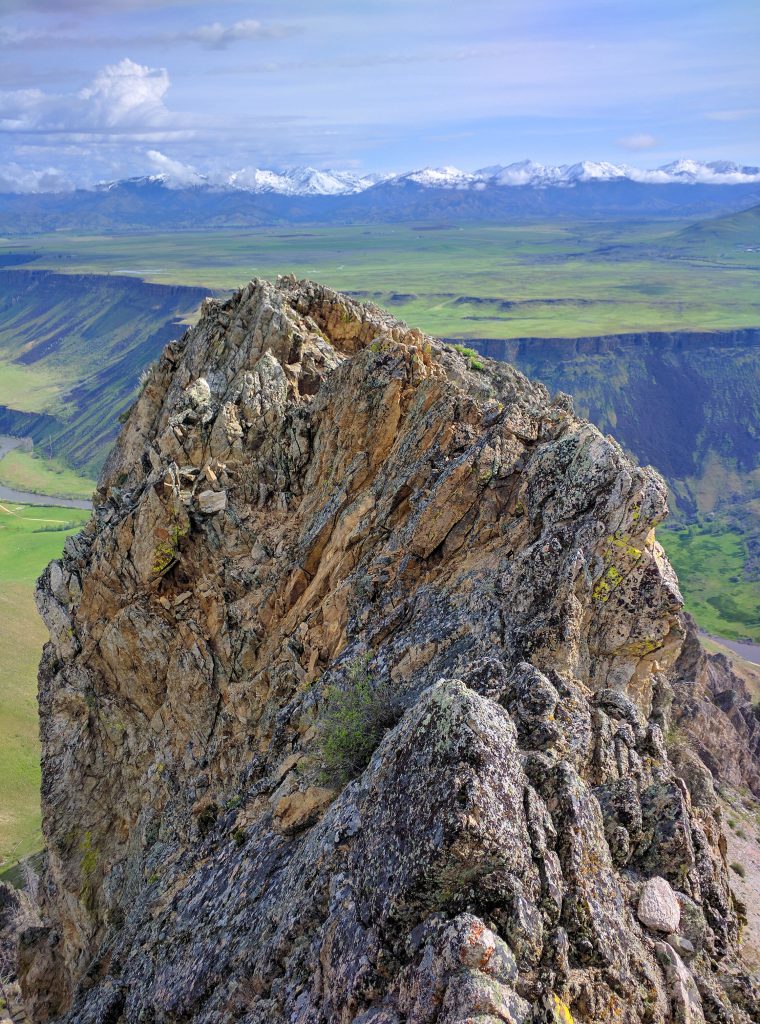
{"x": 29, "y": 538}
{"x": 709, "y": 559}
{"x": 27, "y": 471}
{"x": 71, "y": 351}
{"x": 732, "y": 238}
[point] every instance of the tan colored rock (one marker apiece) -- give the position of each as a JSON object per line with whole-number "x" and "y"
{"x": 301, "y": 808}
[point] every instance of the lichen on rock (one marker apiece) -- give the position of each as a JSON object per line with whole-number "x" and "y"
{"x": 303, "y": 483}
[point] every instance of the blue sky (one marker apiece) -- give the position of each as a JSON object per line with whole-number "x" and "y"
{"x": 103, "y": 89}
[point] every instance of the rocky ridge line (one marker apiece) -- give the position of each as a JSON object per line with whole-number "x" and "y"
{"x": 304, "y": 485}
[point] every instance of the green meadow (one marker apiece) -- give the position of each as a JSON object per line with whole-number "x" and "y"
{"x": 709, "y": 559}
{"x": 29, "y": 538}
{"x": 32, "y": 471}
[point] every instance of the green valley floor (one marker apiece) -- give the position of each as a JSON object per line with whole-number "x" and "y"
{"x": 29, "y": 539}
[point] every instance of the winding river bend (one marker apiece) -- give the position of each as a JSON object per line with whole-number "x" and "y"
{"x": 10, "y": 494}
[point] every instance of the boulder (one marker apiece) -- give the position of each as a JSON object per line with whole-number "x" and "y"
{"x": 658, "y": 907}
{"x": 212, "y": 501}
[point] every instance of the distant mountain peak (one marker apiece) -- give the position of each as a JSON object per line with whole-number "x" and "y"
{"x": 313, "y": 181}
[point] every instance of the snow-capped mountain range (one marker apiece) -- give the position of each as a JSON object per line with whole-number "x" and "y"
{"x": 308, "y": 181}
{"x": 180, "y": 197}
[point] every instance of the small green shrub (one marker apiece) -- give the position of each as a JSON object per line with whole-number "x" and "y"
{"x": 740, "y": 870}
{"x": 472, "y": 357}
{"x": 353, "y": 722}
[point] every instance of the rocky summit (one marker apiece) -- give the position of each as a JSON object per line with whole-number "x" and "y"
{"x": 354, "y": 706}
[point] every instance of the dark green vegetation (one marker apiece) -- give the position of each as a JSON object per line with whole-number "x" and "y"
{"x": 353, "y": 722}
{"x": 29, "y": 538}
{"x": 710, "y": 561}
{"x": 71, "y": 351}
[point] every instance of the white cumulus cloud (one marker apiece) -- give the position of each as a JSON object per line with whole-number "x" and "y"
{"x": 126, "y": 95}
{"x": 124, "y": 99}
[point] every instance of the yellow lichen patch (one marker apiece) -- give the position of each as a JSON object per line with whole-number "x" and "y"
{"x": 615, "y": 546}
{"x": 622, "y": 542}
{"x": 604, "y": 587}
{"x": 562, "y": 1011}
{"x": 639, "y": 648}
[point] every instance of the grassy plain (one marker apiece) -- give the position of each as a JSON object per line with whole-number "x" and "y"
{"x": 483, "y": 281}
{"x": 29, "y": 538}
{"x": 29, "y": 389}
{"x": 26, "y": 471}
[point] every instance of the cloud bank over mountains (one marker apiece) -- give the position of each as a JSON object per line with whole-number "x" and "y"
{"x": 311, "y": 181}
{"x": 124, "y": 99}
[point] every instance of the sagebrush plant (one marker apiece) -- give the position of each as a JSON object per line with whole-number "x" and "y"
{"x": 355, "y": 717}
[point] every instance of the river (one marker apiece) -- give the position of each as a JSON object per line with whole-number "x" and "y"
{"x": 750, "y": 652}
{"x": 10, "y": 494}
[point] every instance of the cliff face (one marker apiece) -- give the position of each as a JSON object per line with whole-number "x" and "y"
{"x": 94, "y": 334}
{"x": 324, "y": 538}
{"x": 682, "y": 401}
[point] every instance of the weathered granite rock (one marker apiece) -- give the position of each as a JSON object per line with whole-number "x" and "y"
{"x": 212, "y": 501}
{"x": 685, "y": 997}
{"x": 658, "y": 907}
{"x": 489, "y": 562}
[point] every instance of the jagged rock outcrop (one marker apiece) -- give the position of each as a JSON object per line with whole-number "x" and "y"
{"x": 713, "y": 710}
{"x": 306, "y": 486}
